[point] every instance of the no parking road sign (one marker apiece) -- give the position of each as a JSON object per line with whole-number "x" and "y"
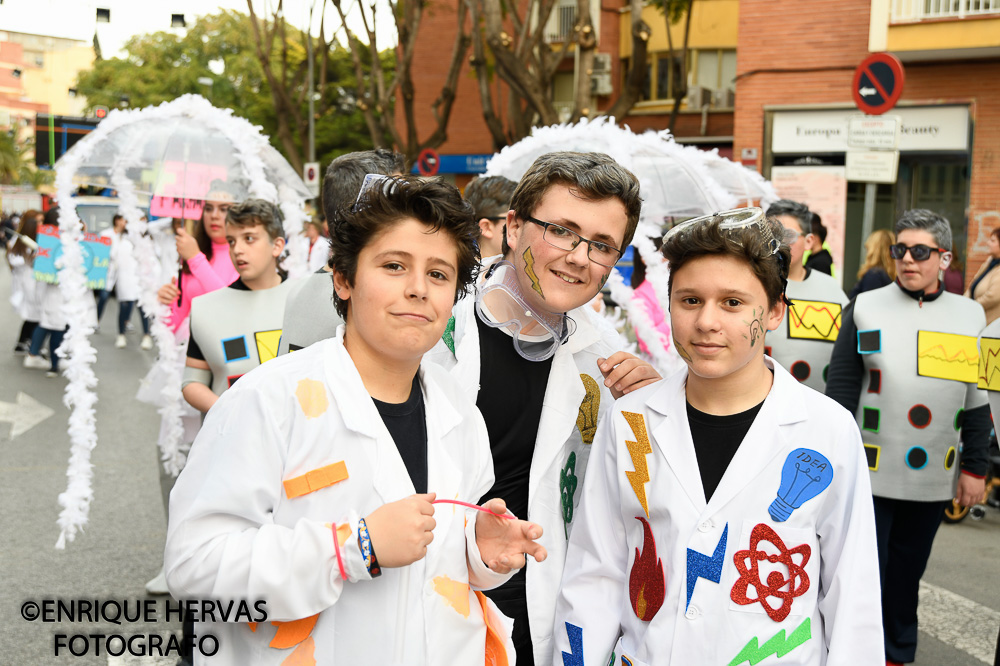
{"x": 428, "y": 162}
{"x": 878, "y": 83}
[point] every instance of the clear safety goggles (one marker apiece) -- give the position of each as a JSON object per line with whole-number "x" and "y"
{"x": 738, "y": 218}
{"x": 536, "y": 334}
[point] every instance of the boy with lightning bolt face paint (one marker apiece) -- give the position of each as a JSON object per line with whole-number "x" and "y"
{"x": 542, "y": 364}
{"x": 708, "y": 533}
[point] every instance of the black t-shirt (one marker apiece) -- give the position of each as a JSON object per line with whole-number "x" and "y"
{"x": 511, "y": 392}
{"x": 716, "y": 439}
{"x": 407, "y": 424}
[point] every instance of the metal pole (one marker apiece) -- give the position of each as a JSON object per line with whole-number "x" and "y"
{"x": 868, "y": 220}
{"x": 312, "y": 113}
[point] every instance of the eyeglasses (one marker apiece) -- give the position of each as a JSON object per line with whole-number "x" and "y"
{"x": 567, "y": 239}
{"x": 918, "y": 252}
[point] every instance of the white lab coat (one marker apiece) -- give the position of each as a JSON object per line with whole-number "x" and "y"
{"x": 234, "y": 533}
{"x": 575, "y": 398}
{"x": 126, "y": 269}
{"x": 842, "y": 602}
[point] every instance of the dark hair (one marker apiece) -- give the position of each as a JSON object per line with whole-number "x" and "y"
{"x": 922, "y": 219}
{"x": 816, "y": 228}
{"x": 432, "y": 202}
{"x": 639, "y": 265}
{"x": 28, "y": 226}
{"x": 996, "y": 233}
{"x": 345, "y": 174}
{"x": 254, "y": 212}
{"x": 595, "y": 175}
{"x": 795, "y": 209}
{"x": 747, "y": 243}
{"x": 490, "y": 195}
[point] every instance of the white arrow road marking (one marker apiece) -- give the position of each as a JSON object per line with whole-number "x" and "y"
{"x": 865, "y": 92}
{"x": 24, "y": 414}
{"x": 959, "y": 622}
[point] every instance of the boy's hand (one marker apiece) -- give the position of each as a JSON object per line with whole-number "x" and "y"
{"x": 168, "y": 293}
{"x": 624, "y": 373}
{"x": 401, "y": 530}
{"x": 970, "y": 490}
{"x": 505, "y": 544}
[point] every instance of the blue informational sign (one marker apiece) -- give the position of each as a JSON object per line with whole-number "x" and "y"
{"x": 96, "y": 256}
{"x": 460, "y": 163}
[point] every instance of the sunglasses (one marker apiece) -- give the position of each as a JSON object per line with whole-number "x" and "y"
{"x": 918, "y": 252}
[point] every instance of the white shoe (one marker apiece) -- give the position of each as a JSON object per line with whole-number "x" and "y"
{"x": 51, "y": 373}
{"x": 158, "y": 586}
{"x": 36, "y": 362}
{"x": 147, "y": 342}
{"x": 120, "y": 342}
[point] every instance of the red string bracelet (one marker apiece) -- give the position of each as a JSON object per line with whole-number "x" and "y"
{"x": 473, "y": 506}
{"x": 336, "y": 547}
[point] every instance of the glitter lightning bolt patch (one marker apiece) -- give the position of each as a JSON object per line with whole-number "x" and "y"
{"x": 638, "y": 450}
{"x": 529, "y": 269}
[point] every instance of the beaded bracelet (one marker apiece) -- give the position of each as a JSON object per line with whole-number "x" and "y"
{"x": 367, "y": 552}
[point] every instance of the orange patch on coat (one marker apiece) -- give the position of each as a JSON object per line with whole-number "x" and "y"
{"x": 312, "y": 397}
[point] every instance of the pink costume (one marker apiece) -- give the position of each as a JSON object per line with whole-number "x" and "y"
{"x": 205, "y": 276}
{"x": 645, "y": 297}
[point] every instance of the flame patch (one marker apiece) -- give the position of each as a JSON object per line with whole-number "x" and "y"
{"x": 647, "y": 584}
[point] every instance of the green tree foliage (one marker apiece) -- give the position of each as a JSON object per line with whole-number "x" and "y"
{"x": 16, "y": 165}
{"x": 162, "y": 66}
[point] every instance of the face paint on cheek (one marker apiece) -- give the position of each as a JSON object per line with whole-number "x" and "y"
{"x": 683, "y": 353}
{"x": 529, "y": 270}
{"x": 756, "y": 326}
{"x": 604, "y": 279}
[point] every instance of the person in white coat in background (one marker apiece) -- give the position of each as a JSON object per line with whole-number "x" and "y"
{"x": 541, "y": 364}
{"x": 326, "y": 483}
{"x": 727, "y": 514}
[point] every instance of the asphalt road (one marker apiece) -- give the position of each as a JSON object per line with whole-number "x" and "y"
{"x": 122, "y": 545}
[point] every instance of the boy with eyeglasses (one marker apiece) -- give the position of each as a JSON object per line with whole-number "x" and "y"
{"x": 541, "y": 365}
{"x": 804, "y": 341}
{"x": 905, "y": 363}
{"x": 726, "y": 516}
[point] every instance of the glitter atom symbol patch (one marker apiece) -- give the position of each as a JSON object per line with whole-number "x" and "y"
{"x": 783, "y": 587}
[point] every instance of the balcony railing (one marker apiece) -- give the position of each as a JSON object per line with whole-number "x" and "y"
{"x": 561, "y": 23}
{"x": 919, "y": 10}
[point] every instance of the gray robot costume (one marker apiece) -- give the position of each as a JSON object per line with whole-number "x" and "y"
{"x": 234, "y": 330}
{"x": 920, "y": 365}
{"x": 309, "y": 312}
{"x": 804, "y": 341}
{"x": 989, "y": 365}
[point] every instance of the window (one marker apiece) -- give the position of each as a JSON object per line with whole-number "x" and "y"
{"x": 714, "y": 69}
{"x": 103, "y": 15}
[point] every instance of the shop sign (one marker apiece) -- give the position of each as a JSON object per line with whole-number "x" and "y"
{"x": 871, "y": 166}
{"x": 923, "y": 128}
{"x": 873, "y": 132}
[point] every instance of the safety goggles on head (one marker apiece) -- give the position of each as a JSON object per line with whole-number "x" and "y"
{"x": 536, "y": 334}
{"x": 567, "y": 239}
{"x": 918, "y": 252}
{"x": 738, "y": 218}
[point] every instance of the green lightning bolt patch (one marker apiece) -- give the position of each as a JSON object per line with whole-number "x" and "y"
{"x": 778, "y": 645}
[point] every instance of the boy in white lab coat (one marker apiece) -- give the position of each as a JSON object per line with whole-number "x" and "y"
{"x": 315, "y": 485}
{"x": 727, "y": 516}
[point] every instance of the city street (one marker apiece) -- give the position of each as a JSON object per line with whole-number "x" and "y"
{"x": 122, "y": 545}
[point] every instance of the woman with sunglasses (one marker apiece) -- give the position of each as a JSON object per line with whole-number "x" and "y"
{"x": 985, "y": 287}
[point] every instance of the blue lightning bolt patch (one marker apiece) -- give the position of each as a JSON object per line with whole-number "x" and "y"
{"x": 703, "y": 566}
{"x": 575, "y": 655}
{"x": 638, "y": 451}
{"x": 778, "y": 645}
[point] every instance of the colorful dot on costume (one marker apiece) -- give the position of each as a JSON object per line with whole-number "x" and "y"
{"x": 916, "y": 457}
{"x": 874, "y": 380}
{"x": 870, "y": 417}
{"x": 455, "y": 593}
{"x": 235, "y": 349}
{"x": 869, "y": 342}
{"x": 949, "y": 458}
{"x": 311, "y": 395}
{"x": 919, "y": 416}
{"x": 872, "y": 453}
{"x": 801, "y": 370}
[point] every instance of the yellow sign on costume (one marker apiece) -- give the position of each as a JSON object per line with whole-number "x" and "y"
{"x": 989, "y": 368}
{"x": 947, "y": 356}
{"x": 813, "y": 320}
{"x": 267, "y": 344}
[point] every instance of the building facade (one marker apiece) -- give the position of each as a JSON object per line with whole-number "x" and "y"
{"x": 794, "y": 103}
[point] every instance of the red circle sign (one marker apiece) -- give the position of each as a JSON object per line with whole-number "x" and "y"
{"x": 878, "y": 83}
{"x": 428, "y": 162}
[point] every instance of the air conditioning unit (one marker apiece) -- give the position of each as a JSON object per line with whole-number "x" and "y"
{"x": 600, "y": 84}
{"x": 698, "y": 98}
{"x": 602, "y": 63}
{"x": 724, "y": 99}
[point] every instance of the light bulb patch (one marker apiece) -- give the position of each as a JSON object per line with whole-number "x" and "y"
{"x": 781, "y": 586}
{"x": 805, "y": 474}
